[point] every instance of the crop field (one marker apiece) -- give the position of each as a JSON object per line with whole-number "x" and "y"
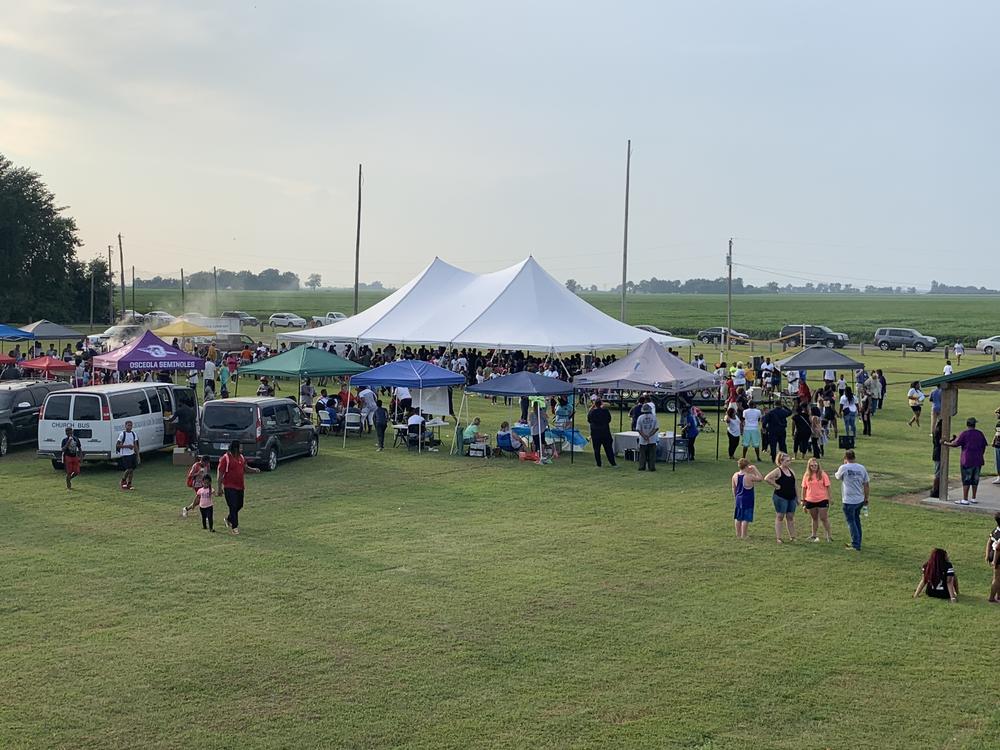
{"x": 943, "y": 316}
{"x": 428, "y": 601}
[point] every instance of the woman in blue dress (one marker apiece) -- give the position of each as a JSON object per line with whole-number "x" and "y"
{"x": 743, "y": 493}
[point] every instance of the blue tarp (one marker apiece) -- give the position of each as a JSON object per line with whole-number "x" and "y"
{"x": 9, "y": 333}
{"x": 523, "y": 384}
{"x": 409, "y": 373}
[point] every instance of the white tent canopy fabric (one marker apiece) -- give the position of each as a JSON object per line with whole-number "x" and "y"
{"x": 521, "y": 307}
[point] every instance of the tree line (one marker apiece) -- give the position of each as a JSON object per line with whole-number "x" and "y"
{"x": 270, "y": 279}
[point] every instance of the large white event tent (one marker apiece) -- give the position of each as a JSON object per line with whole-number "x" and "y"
{"x": 521, "y": 307}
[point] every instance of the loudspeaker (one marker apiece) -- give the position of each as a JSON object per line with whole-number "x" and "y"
{"x": 846, "y": 442}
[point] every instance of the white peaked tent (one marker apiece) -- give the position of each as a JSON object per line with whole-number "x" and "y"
{"x": 521, "y": 307}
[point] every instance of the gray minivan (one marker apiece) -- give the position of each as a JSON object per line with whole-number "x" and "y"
{"x": 269, "y": 430}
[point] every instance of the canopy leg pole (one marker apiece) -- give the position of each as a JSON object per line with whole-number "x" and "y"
{"x": 673, "y": 445}
{"x": 348, "y": 410}
{"x": 572, "y": 429}
{"x": 718, "y": 422}
{"x": 541, "y": 432}
{"x": 454, "y": 443}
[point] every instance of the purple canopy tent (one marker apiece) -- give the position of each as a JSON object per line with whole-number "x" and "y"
{"x": 148, "y": 352}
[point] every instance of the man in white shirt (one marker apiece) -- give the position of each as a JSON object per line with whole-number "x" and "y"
{"x": 855, "y": 495}
{"x": 403, "y": 399}
{"x": 367, "y": 397}
{"x": 209, "y": 374}
{"x": 948, "y": 369}
{"x": 751, "y": 429}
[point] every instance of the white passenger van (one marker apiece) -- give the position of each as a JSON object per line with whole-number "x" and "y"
{"x": 98, "y": 414}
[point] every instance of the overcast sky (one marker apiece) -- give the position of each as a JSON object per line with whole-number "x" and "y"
{"x": 834, "y": 140}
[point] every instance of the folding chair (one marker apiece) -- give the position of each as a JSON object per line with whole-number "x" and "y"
{"x": 352, "y": 422}
{"x": 324, "y": 421}
{"x": 507, "y": 448}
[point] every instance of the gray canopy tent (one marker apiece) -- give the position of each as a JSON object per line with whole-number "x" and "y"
{"x": 649, "y": 367}
{"x": 819, "y": 358}
{"x": 48, "y": 331}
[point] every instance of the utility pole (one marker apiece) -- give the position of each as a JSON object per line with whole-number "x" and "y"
{"x": 111, "y": 290}
{"x": 121, "y": 264}
{"x": 729, "y": 314}
{"x": 182, "y": 292}
{"x": 133, "y": 287}
{"x": 357, "y": 245}
{"x": 215, "y": 286}
{"x": 628, "y": 171}
{"x": 91, "y": 296}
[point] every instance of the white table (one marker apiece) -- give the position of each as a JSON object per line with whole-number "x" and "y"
{"x": 630, "y": 439}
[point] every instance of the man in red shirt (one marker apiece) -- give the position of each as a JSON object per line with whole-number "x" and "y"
{"x": 232, "y": 468}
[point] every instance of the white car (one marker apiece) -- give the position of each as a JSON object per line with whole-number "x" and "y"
{"x": 159, "y": 317}
{"x": 990, "y": 345}
{"x": 286, "y": 320}
{"x": 119, "y": 334}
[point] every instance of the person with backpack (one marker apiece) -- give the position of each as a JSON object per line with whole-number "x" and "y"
{"x": 72, "y": 452}
{"x": 993, "y": 559}
{"x": 127, "y": 447}
{"x": 201, "y": 469}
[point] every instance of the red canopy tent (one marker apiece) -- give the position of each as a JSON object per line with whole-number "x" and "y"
{"x": 48, "y": 365}
{"x": 6, "y": 360}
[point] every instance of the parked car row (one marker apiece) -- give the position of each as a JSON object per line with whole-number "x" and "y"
{"x": 268, "y": 429}
{"x": 885, "y": 338}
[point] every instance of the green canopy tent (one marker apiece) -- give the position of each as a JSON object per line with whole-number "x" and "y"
{"x": 303, "y": 362}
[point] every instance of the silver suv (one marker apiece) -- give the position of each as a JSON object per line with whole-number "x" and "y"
{"x": 893, "y": 338}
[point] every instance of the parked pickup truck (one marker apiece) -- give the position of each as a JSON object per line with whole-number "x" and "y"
{"x": 330, "y": 317}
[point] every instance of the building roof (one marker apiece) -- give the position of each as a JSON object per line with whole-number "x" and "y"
{"x": 983, "y": 374}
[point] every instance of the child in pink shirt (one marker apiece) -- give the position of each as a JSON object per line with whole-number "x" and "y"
{"x": 205, "y": 505}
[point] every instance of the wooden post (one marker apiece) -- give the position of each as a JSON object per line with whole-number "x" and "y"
{"x": 949, "y": 396}
{"x": 862, "y": 348}
{"x": 902, "y": 348}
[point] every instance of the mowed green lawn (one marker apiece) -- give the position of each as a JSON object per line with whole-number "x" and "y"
{"x": 946, "y": 317}
{"x": 390, "y": 599}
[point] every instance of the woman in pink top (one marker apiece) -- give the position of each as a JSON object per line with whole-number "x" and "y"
{"x": 816, "y": 496}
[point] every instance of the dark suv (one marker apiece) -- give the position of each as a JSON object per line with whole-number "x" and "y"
{"x": 269, "y": 430}
{"x": 893, "y": 338}
{"x": 814, "y": 335}
{"x": 246, "y": 319}
{"x": 20, "y": 401}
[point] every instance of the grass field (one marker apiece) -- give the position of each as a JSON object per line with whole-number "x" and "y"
{"x": 396, "y": 600}
{"x": 762, "y": 316}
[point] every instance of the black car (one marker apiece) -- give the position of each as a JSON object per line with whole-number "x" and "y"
{"x": 717, "y": 334}
{"x": 20, "y": 401}
{"x": 269, "y": 430}
{"x": 814, "y": 334}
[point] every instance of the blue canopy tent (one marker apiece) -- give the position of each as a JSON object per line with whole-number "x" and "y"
{"x": 530, "y": 384}
{"x": 10, "y": 333}
{"x": 408, "y": 373}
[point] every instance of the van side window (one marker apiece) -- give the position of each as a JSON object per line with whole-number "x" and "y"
{"x": 268, "y": 415}
{"x": 131, "y": 404}
{"x": 57, "y": 407}
{"x": 164, "y": 394}
{"x": 284, "y": 415}
{"x": 154, "y": 401}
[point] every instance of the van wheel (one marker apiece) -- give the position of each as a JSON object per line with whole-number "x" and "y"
{"x": 272, "y": 460}
{"x": 313, "y": 447}
{"x": 58, "y": 465}
{"x": 830, "y": 343}
{"x": 4, "y": 443}
{"x": 884, "y": 346}
{"x": 705, "y": 340}
{"x": 918, "y": 347}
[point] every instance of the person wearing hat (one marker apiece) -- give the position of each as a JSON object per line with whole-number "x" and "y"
{"x": 973, "y": 445}
{"x": 647, "y": 427}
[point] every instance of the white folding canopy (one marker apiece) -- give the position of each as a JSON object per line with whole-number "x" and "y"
{"x": 521, "y": 307}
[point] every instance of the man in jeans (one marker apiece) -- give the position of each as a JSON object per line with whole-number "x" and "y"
{"x": 647, "y": 426}
{"x": 854, "y": 488}
{"x": 973, "y": 444}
